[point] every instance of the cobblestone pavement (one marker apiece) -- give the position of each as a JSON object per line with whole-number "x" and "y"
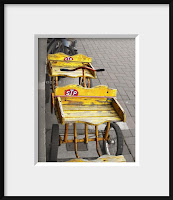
{"x": 117, "y": 57}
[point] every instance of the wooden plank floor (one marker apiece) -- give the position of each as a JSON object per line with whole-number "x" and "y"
{"x": 93, "y": 114}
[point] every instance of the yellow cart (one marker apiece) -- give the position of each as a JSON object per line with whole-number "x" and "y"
{"x": 92, "y": 106}
{"x": 62, "y": 65}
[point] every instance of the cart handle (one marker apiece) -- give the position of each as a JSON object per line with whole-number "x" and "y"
{"x": 83, "y": 67}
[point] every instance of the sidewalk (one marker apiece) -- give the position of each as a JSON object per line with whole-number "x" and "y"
{"x": 117, "y": 57}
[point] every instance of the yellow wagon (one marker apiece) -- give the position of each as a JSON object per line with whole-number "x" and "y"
{"x": 92, "y": 106}
{"x": 62, "y": 65}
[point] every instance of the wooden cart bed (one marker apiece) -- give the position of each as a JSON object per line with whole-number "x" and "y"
{"x": 58, "y": 61}
{"x": 94, "y": 106}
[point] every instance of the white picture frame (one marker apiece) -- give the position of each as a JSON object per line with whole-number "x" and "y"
{"x": 25, "y": 177}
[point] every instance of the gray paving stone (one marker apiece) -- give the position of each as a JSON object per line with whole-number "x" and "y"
{"x": 133, "y": 119}
{"x": 122, "y": 125}
{"x": 126, "y": 133}
{"x": 130, "y": 95}
{"x": 132, "y": 149}
{"x": 121, "y": 80}
{"x": 41, "y": 100}
{"x": 125, "y": 150}
{"x": 129, "y": 158}
{"x": 132, "y": 131}
{"x": 117, "y": 84}
{"x": 125, "y": 97}
{"x": 131, "y": 109}
{"x": 132, "y": 89}
{"x": 96, "y": 83}
{"x": 121, "y": 91}
{"x": 113, "y": 81}
{"x": 129, "y": 78}
{"x": 111, "y": 85}
{"x": 130, "y": 122}
{"x": 130, "y": 102}
{"x": 124, "y": 107}
{"x": 118, "y": 96}
{"x": 130, "y": 140}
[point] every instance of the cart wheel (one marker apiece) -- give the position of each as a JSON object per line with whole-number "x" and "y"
{"x": 69, "y": 51}
{"x": 76, "y": 52}
{"x": 47, "y": 88}
{"x": 72, "y": 51}
{"x": 51, "y": 105}
{"x": 55, "y": 46}
{"x": 49, "y": 44}
{"x": 114, "y": 146}
{"x": 54, "y": 143}
{"x": 91, "y": 83}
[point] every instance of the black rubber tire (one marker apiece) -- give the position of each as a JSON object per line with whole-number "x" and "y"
{"x": 54, "y": 143}
{"x": 52, "y": 47}
{"x": 47, "y": 88}
{"x": 76, "y": 52}
{"x": 66, "y": 50}
{"x": 72, "y": 51}
{"x": 119, "y": 137}
{"x": 50, "y": 43}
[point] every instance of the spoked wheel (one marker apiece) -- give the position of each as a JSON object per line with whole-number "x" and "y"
{"x": 55, "y": 46}
{"x": 54, "y": 143}
{"x": 114, "y": 144}
{"x": 82, "y": 83}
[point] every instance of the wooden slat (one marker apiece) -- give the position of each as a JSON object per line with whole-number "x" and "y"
{"x": 59, "y": 109}
{"x": 92, "y": 121}
{"x": 88, "y": 107}
{"x": 93, "y": 72}
{"x": 66, "y": 64}
{"x": 54, "y": 69}
{"x": 84, "y": 101}
{"x": 119, "y": 109}
{"x": 92, "y": 114}
{"x": 78, "y": 73}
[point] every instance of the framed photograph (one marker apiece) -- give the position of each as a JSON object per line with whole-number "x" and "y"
{"x": 98, "y": 64}
{"x": 87, "y": 99}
